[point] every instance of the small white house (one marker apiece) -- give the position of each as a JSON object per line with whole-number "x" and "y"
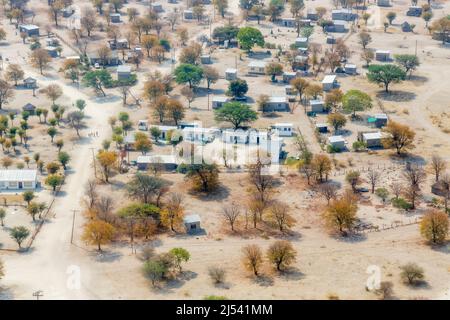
{"x": 18, "y": 179}
{"x": 372, "y": 139}
{"x": 143, "y": 125}
{"x": 192, "y": 223}
{"x": 288, "y": 22}
{"x": 197, "y": 134}
{"x": 284, "y": 129}
{"x": 381, "y": 119}
{"x": 337, "y": 142}
{"x": 205, "y": 59}
{"x": 382, "y": 55}
{"x": 188, "y": 14}
{"x": 123, "y": 72}
{"x": 343, "y": 14}
{"x": 167, "y": 162}
{"x": 322, "y": 127}
{"x": 115, "y": 17}
{"x": 384, "y": 3}
{"x": 165, "y": 130}
{"x": 256, "y": 67}
{"x": 219, "y": 101}
{"x": 316, "y": 105}
{"x": 230, "y": 74}
{"x": 157, "y": 7}
{"x": 339, "y": 26}
{"x": 288, "y": 76}
{"x": 235, "y": 136}
{"x": 277, "y": 103}
{"x": 329, "y": 82}
{"x": 301, "y": 42}
{"x": 350, "y": 69}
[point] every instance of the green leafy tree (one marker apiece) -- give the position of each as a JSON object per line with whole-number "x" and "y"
{"x": 275, "y": 9}
{"x": 281, "y": 254}
{"x": 19, "y": 234}
{"x": 53, "y": 181}
{"x": 181, "y": 255}
{"x": 28, "y": 196}
{"x": 336, "y": 120}
{"x": 237, "y": 88}
{"x": 98, "y": 79}
{"x": 248, "y": 37}
{"x": 409, "y": 62}
{"x": 63, "y": 158}
{"x": 236, "y": 113}
{"x": 188, "y": 73}
{"x": 385, "y": 74}
{"x": 356, "y": 100}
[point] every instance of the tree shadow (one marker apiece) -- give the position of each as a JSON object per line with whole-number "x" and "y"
{"x": 444, "y": 248}
{"x": 418, "y": 78}
{"x": 222, "y": 192}
{"x": 292, "y": 273}
{"x": 396, "y": 96}
{"x": 106, "y": 256}
{"x": 264, "y": 280}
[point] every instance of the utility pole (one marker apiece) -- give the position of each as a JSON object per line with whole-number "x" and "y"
{"x": 93, "y": 159}
{"x": 73, "y": 225}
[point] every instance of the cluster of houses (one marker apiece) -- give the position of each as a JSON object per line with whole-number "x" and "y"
{"x": 371, "y": 139}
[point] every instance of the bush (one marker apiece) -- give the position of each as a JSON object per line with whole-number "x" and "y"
{"x": 411, "y": 273}
{"x": 182, "y": 168}
{"x": 217, "y": 274}
{"x": 359, "y": 145}
{"x": 401, "y": 204}
{"x": 333, "y": 149}
{"x": 383, "y": 193}
{"x": 386, "y": 290}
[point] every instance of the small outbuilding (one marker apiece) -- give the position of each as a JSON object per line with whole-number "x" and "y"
{"x": 382, "y": 55}
{"x": 115, "y": 17}
{"x": 143, "y": 125}
{"x": 288, "y": 76}
{"x": 322, "y": 127}
{"x": 381, "y": 119}
{"x": 312, "y": 15}
{"x": 329, "y": 82}
{"x": 301, "y": 42}
{"x": 30, "y": 108}
{"x": 205, "y": 59}
{"x": 276, "y": 103}
{"x": 157, "y": 7}
{"x": 337, "y": 142}
{"x": 165, "y": 162}
{"x": 257, "y": 67}
{"x": 219, "y": 101}
{"x": 343, "y": 14}
{"x": 372, "y": 139}
{"x": 52, "y": 51}
{"x": 284, "y": 129}
{"x": 288, "y": 22}
{"x": 30, "y": 30}
{"x": 350, "y": 69}
{"x": 384, "y": 3}
{"x": 414, "y": 11}
{"x": 230, "y": 74}
{"x": 192, "y": 223}
{"x": 123, "y": 72}
{"x": 339, "y": 26}
{"x": 30, "y": 83}
{"x": 188, "y": 14}
{"x": 316, "y": 105}
{"x": 406, "y": 27}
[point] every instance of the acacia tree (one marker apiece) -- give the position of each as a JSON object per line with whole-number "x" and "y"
{"x": 414, "y": 175}
{"x": 145, "y": 188}
{"x": 321, "y": 165}
{"x": 40, "y": 59}
{"x": 385, "y": 74}
{"x": 107, "y": 160}
{"x": 409, "y": 62}
{"x": 98, "y": 232}
{"x": 262, "y": 181}
{"x": 280, "y": 215}
{"x": 373, "y": 176}
{"x": 398, "y": 136}
{"x": 14, "y": 73}
{"x": 204, "y": 177}
{"x": 248, "y": 37}
{"x": 230, "y": 213}
{"x": 438, "y": 165}
{"x": 173, "y": 211}
{"x": 281, "y": 254}
{"x": 252, "y": 258}
{"x": 19, "y": 234}
{"x": 340, "y": 215}
{"x": 236, "y": 113}
{"x": 6, "y": 93}
{"x": 328, "y": 191}
{"x": 356, "y": 100}
{"x": 434, "y": 226}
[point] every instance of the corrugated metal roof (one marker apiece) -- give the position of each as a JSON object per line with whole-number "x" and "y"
{"x": 18, "y": 175}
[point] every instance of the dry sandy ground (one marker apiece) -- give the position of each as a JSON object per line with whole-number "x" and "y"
{"x": 325, "y": 265}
